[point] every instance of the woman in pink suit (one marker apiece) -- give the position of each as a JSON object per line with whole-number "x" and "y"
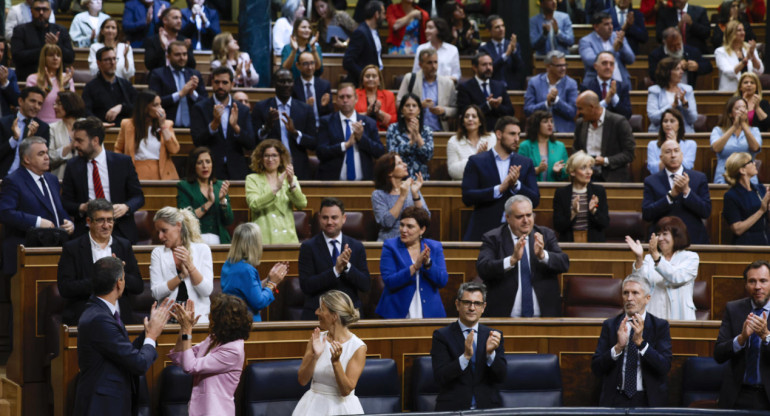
{"x": 217, "y": 362}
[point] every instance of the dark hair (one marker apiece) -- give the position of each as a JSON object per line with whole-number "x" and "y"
{"x": 259, "y": 152}
{"x": 679, "y": 133}
{"x": 143, "y": 99}
{"x": 342, "y": 85}
{"x": 442, "y": 29}
{"x": 332, "y": 202}
{"x": 298, "y": 22}
{"x": 448, "y": 12}
{"x": 98, "y": 204}
{"x": 533, "y": 125}
{"x": 192, "y": 160}
{"x": 279, "y": 71}
{"x": 107, "y": 271}
{"x": 401, "y": 121}
{"x": 229, "y": 319}
{"x": 472, "y": 287}
{"x": 316, "y": 18}
{"x": 72, "y": 104}
{"x": 608, "y": 53}
{"x": 491, "y": 19}
{"x": 221, "y": 70}
{"x": 756, "y": 264}
{"x": 382, "y": 168}
{"x": 599, "y": 17}
{"x": 92, "y": 126}
{"x": 166, "y": 11}
{"x": 724, "y": 12}
{"x": 102, "y": 50}
{"x": 727, "y": 116}
{"x": 418, "y": 214}
{"x": 504, "y": 121}
{"x": 663, "y": 70}
{"x": 33, "y": 89}
{"x": 372, "y": 8}
{"x": 174, "y": 43}
{"x": 479, "y": 55}
{"x": 678, "y": 231}
{"x": 462, "y": 131}
{"x": 118, "y": 36}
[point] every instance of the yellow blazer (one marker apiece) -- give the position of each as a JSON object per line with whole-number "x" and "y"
{"x": 127, "y": 145}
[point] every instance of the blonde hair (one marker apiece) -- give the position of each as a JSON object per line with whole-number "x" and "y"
{"x": 219, "y": 47}
{"x": 733, "y": 166}
{"x": 339, "y": 302}
{"x": 191, "y": 228}
{"x": 42, "y": 74}
{"x": 754, "y": 77}
{"x": 577, "y": 161}
{"x": 246, "y": 244}
{"x": 730, "y": 30}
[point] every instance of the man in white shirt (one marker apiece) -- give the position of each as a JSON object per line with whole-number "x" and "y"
{"x": 633, "y": 355}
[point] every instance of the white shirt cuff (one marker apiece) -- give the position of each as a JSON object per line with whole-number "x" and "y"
{"x": 464, "y": 362}
{"x": 37, "y": 222}
{"x": 150, "y": 342}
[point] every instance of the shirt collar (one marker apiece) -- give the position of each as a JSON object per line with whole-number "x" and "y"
{"x": 305, "y": 81}
{"x": 113, "y": 308}
{"x": 600, "y": 80}
{"x": 101, "y": 158}
{"x": 278, "y": 102}
{"x": 338, "y": 239}
{"x": 644, "y": 316}
{"x": 497, "y": 155}
{"x": 35, "y": 176}
{"x": 481, "y": 81}
{"x": 678, "y": 171}
{"x": 97, "y": 246}
{"x": 618, "y": 10}
{"x": 686, "y": 6}
{"x": 353, "y": 118}
{"x": 601, "y": 118}
{"x": 229, "y": 101}
{"x": 20, "y": 116}
{"x": 463, "y": 327}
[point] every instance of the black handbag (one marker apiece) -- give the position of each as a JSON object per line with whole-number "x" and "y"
{"x": 46, "y": 237}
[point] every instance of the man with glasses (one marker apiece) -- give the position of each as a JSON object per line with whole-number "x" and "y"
{"x": 28, "y": 39}
{"x": 311, "y": 90}
{"x": 554, "y": 92}
{"x": 109, "y": 97}
{"x": 76, "y": 264}
{"x": 468, "y": 357}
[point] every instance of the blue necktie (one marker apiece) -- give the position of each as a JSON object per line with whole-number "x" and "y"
{"x": 632, "y": 358}
{"x": 752, "y": 356}
{"x": 182, "y": 111}
{"x": 527, "y": 304}
{"x": 485, "y": 89}
{"x": 350, "y": 158}
{"x": 309, "y": 95}
{"x": 335, "y": 252}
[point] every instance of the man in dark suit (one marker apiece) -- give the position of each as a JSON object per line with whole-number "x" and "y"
{"x": 506, "y": 55}
{"x": 679, "y": 192}
{"x": 520, "y": 254}
{"x": 633, "y": 355}
{"x": 156, "y": 45}
{"x": 630, "y": 21}
{"x": 179, "y": 87}
{"x": 490, "y": 95}
{"x": 141, "y": 18}
{"x": 198, "y": 13}
{"x": 606, "y": 136}
{"x": 28, "y": 39}
{"x": 692, "y": 59}
{"x": 225, "y": 132}
{"x": 614, "y": 95}
{"x": 365, "y": 47}
{"x": 109, "y": 97}
{"x": 691, "y": 21}
{"x": 744, "y": 342}
{"x": 9, "y": 85}
{"x": 311, "y": 90}
{"x": 468, "y": 357}
{"x": 348, "y": 142}
{"x": 331, "y": 260}
{"x": 97, "y": 173}
{"x": 110, "y": 364}
{"x": 491, "y": 177}
{"x": 76, "y": 264}
{"x": 594, "y": 6}
{"x": 16, "y": 127}
{"x": 289, "y": 121}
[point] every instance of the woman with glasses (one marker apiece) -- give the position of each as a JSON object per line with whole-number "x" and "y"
{"x": 745, "y": 202}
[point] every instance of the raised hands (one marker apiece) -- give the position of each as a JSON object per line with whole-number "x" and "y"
{"x": 636, "y": 248}
{"x": 493, "y": 341}
{"x": 153, "y": 326}
{"x": 316, "y": 343}
{"x": 593, "y": 204}
{"x": 223, "y": 191}
{"x": 622, "y": 336}
{"x": 343, "y": 259}
{"x": 558, "y": 166}
{"x": 52, "y": 38}
{"x": 574, "y": 206}
{"x": 468, "y": 353}
{"x": 416, "y": 185}
{"x": 335, "y": 348}
{"x": 185, "y": 315}
{"x": 278, "y": 272}
{"x": 510, "y": 180}
{"x": 539, "y": 246}
{"x": 518, "y": 250}
{"x": 654, "y": 247}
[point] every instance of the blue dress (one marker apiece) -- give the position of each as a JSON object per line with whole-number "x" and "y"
{"x": 734, "y": 144}
{"x": 242, "y": 279}
{"x": 741, "y": 203}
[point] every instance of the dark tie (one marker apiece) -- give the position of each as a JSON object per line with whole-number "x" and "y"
{"x": 604, "y": 90}
{"x": 500, "y": 50}
{"x": 182, "y": 295}
{"x": 47, "y": 197}
{"x": 684, "y": 27}
{"x": 335, "y": 252}
{"x": 350, "y": 158}
{"x": 632, "y": 362}
{"x": 308, "y": 91}
{"x": 752, "y": 356}
{"x": 98, "y": 190}
{"x": 527, "y": 303}
{"x": 117, "y": 318}
{"x": 26, "y": 127}
{"x": 622, "y": 18}
{"x": 473, "y": 363}
{"x": 485, "y": 89}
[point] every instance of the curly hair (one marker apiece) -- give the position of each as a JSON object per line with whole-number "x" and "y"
{"x": 229, "y": 319}
{"x": 533, "y": 125}
{"x": 258, "y": 154}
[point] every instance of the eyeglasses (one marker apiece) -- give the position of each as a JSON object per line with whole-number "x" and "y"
{"x": 468, "y": 303}
{"x": 559, "y": 65}
{"x": 750, "y": 162}
{"x": 41, "y": 9}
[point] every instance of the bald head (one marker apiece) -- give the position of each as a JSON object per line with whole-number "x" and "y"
{"x": 588, "y": 106}
{"x": 671, "y": 155}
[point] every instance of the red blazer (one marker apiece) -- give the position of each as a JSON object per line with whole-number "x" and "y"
{"x": 394, "y": 13}
{"x": 388, "y": 101}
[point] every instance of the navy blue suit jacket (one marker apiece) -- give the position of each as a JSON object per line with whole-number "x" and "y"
{"x": 655, "y": 363}
{"x": 691, "y": 210}
{"x": 162, "y": 82}
{"x": 320, "y": 87}
{"x": 230, "y": 148}
{"x": 21, "y": 202}
{"x": 469, "y": 92}
{"x": 479, "y": 180}
{"x": 316, "y": 274}
{"x": 135, "y": 23}
{"x": 7, "y": 154}
{"x": 690, "y": 53}
{"x": 361, "y": 51}
{"x": 155, "y": 55}
{"x": 509, "y": 70}
{"x": 637, "y": 33}
{"x": 331, "y": 155}
{"x": 621, "y": 89}
{"x": 696, "y": 34}
{"x": 110, "y": 364}
{"x": 304, "y": 121}
{"x": 124, "y": 189}
{"x": 594, "y": 6}
{"x": 457, "y": 386}
{"x": 190, "y": 30}
{"x": 9, "y": 96}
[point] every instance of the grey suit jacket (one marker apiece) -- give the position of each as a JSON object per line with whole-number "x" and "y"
{"x": 447, "y": 94}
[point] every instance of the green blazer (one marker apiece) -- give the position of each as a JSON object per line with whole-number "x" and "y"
{"x": 216, "y": 220}
{"x": 274, "y": 213}
{"x": 556, "y": 152}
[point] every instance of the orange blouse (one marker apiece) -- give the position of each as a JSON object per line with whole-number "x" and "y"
{"x": 388, "y": 101}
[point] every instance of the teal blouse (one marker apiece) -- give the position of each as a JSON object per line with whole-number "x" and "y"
{"x": 556, "y": 152}
{"x": 218, "y": 217}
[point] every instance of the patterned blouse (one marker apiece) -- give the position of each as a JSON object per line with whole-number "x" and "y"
{"x": 416, "y": 158}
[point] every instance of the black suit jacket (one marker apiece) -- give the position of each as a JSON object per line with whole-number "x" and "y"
{"x": 99, "y": 97}
{"x": 690, "y": 53}
{"x": 508, "y": 70}
{"x": 190, "y": 30}
{"x": 361, "y": 51}
{"x": 316, "y": 274}
{"x": 28, "y": 40}
{"x": 304, "y": 121}
{"x": 621, "y": 89}
{"x": 469, "y": 92}
{"x": 479, "y": 180}
{"x": 320, "y": 87}
{"x": 7, "y": 153}
{"x": 162, "y": 82}
{"x": 691, "y": 210}
{"x": 110, "y": 364}
{"x": 562, "y": 213}
{"x": 732, "y": 324}
{"x": 76, "y": 270}
{"x": 696, "y": 34}
{"x": 330, "y": 154}
{"x": 637, "y": 33}
{"x": 155, "y": 55}
{"x": 457, "y": 386}
{"x": 124, "y": 189}
{"x": 230, "y": 148}
{"x": 502, "y": 285}
{"x": 618, "y": 145}
{"x": 9, "y": 96}
{"x": 655, "y": 363}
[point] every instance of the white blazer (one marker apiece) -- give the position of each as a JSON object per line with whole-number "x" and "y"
{"x": 728, "y": 79}
{"x": 163, "y": 269}
{"x": 671, "y": 285}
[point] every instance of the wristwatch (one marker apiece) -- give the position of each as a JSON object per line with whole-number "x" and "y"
{"x": 186, "y": 337}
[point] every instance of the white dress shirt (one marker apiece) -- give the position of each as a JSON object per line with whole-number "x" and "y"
{"x": 516, "y": 311}
{"x": 639, "y": 384}
{"x": 97, "y": 252}
{"x": 329, "y": 246}
{"x": 104, "y": 175}
{"x": 36, "y": 178}
{"x": 594, "y": 138}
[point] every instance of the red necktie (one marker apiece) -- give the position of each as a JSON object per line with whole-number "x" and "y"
{"x": 684, "y": 27}
{"x": 98, "y": 190}
{"x": 604, "y": 90}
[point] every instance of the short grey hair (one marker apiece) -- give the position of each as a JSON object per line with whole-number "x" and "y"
{"x": 427, "y": 52}
{"x": 26, "y": 145}
{"x": 515, "y": 200}
{"x": 550, "y": 56}
{"x": 472, "y": 287}
{"x": 636, "y": 278}
{"x": 669, "y": 32}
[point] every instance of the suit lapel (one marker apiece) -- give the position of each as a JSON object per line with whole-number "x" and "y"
{"x": 507, "y": 242}
{"x": 34, "y": 189}
{"x": 321, "y": 247}
{"x": 606, "y": 131}
{"x": 664, "y": 180}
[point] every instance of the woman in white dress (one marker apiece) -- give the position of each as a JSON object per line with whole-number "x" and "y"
{"x": 471, "y": 138}
{"x": 334, "y": 360}
{"x": 226, "y": 52}
{"x": 438, "y": 34}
